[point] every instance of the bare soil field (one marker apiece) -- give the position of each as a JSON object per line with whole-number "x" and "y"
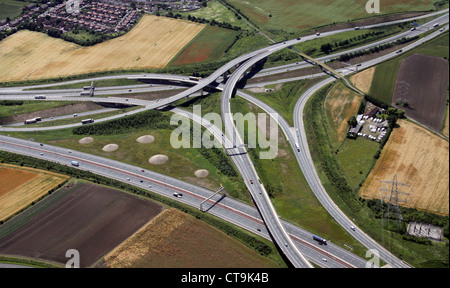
{"x": 19, "y": 186}
{"x": 152, "y": 43}
{"x": 422, "y": 84}
{"x": 177, "y": 240}
{"x": 420, "y": 159}
{"x": 92, "y": 219}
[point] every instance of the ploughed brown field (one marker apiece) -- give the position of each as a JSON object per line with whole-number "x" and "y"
{"x": 91, "y": 219}
{"x": 422, "y": 83}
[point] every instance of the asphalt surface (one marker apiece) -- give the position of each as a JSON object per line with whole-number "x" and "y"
{"x": 247, "y": 170}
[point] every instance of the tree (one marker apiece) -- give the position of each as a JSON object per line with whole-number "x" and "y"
{"x": 326, "y": 48}
{"x": 352, "y": 121}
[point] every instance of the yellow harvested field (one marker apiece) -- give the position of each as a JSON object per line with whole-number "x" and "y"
{"x": 175, "y": 239}
{"x": 19, "y": 186}
{"x": 363, "y": 80}
{"x": 420, "y": 159}
{"x": 152, "y": 43}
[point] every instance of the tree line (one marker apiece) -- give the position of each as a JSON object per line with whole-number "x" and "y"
{"x": 151, "y": 119}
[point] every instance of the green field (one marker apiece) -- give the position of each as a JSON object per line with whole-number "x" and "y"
{"x": 290, "y": 16}
{"x": 385, "y": 75}
{"x": 29, "y": 106}
{"x": 11, "y": 8}
{"x": 216, "y": 11}
{"x": 356, "y": 159}
{"x": 284, "y": 99}
{"x": 208, "y": 46}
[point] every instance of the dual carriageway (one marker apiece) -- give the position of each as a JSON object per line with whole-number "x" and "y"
{"x": 295, "y": 243}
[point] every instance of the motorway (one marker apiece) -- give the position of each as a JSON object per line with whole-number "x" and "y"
{"x": 250, "y": 176}
{"x": 229, "y": 209}
{"x": 246, "y": 168}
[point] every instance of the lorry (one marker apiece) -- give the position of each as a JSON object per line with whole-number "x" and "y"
{"x": 320, "y": 240}
{"x": 75, "y": 163}
{"x": 87, "y": 121}
{"x": 30, "y": 121}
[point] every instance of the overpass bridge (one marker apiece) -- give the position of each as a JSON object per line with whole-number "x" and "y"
{"x": 325, "y": 67}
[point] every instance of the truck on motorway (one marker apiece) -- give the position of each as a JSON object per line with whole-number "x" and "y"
{"x": 40, "y": 97}
{"x": 30, "y": 121}
{"x": 75, "y": 163}
{"x": 87, "y": 121}
{"x": 193, "y": 78}
{"x": 297, "y": 147}
{"x": 320, "y": 240}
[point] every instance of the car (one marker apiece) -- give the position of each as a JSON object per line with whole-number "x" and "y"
{"x": 42, "y": 154}
{"x": 142, "y": 181}
{"x": 353, "y": 228}
{"x": 128, "y": 178}
{"x": 129, "y": 90}
{"x": 41, "y": 144}
{"x": 259, "y": 230}
{"x": 142, "y": 170}
{"x": 251, "y": 181}
{"x": 317, "y": 34}
{"x": 68, "y": 151}
{"x": 324, "y": 259}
